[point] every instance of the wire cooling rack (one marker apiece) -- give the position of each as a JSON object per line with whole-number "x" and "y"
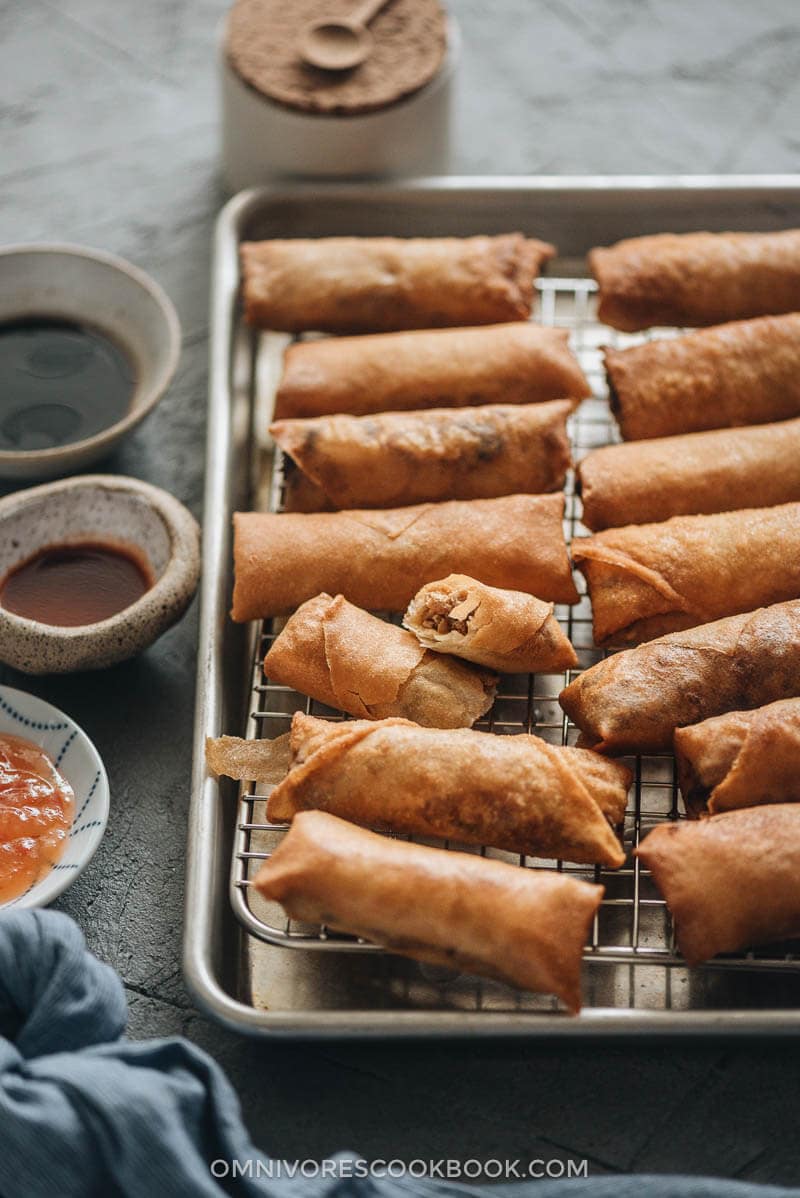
{"x": 632, "y": 926}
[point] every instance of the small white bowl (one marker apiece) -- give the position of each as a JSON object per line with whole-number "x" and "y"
{"x": 98, "y": 507}
{"x": 79, "y": 762}
{"x": 262, "y": 140}
{"x": 93, "y": 288}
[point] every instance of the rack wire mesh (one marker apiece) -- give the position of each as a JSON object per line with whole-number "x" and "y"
{"x": 633, "y": 926}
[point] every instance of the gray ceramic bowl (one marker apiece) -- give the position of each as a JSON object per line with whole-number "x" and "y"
{"x": 97, "y": 289}
{"x": 98, "y": 507}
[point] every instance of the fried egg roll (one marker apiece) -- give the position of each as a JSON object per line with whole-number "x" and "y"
{"x": 649, "y": 579}
{"x": 696, "y": 279}
{"x": 743, "y": 373}
{"x": 377, "y": 284}
{"x": 522, "y": 926}
{"x": 511, "y": 792}
{"x": 633, "y": 702}
{"x": 353, "y": 661}
{"x": 400, "y": 458}
{"x": 741, "y": 759}
{"x": 504, "y": 630}
{"x": 379, "y": 559}
{"x": 439, "y": 368}
{"x": 648, "y": 481}
{"x": 731, "y": 881}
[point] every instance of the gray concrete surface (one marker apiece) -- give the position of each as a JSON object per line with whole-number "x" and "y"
{"x": 108, "y": 137}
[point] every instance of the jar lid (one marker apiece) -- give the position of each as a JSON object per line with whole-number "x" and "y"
{"x": 409, "y": 44}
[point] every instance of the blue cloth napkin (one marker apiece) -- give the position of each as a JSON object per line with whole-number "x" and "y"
{"x": 85, "y": 1113}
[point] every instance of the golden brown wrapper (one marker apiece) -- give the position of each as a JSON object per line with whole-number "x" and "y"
{"x": 633, "y": 701}
{"x": 373, "y": 284}
{"x": 353, "y": 661}
{"x": 249, "y": 760}
{"x": 511, "y": 792}
{"x": 696, "y": 278}
{"x": 747, "y": 372}
{"x": 646, "y": 580}
{"x": 504, "y": 630}
{"x": 644, "y": 482}
{"x": 731, "y": 881}
{"x": 517, "y": 363}
{"x": 400, "y": 458}
{"x": 741, "y": 759}
{"x": 379, "y": 559}
{"x": 522, "y": 926}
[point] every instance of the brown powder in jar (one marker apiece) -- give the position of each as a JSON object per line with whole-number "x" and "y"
{"x": 409, "y": 44}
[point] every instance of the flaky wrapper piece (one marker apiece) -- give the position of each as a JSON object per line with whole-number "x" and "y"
{"x": 504, "y": 630}
{"x": 518, "y": 363}
{"x": 643, "y": 482}
{"x": 353, "y": 661}
{"x": 747, "y": 372}
{"x": 696, "y": 278}
{"x": 730, "y": 881}
{"x": 522, "y": 926}
{"x": 741, "y": 759}
{"x": 399, "y": 458}
{"x": 633, "y": 702}
{"x": 646, "y": 580}
{"x": 511, "y": 792}
{"x": 374, "y": 284}
{"x": 379, "y": 559}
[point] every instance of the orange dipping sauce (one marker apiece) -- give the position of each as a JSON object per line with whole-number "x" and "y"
{"x": 37, "y": 806}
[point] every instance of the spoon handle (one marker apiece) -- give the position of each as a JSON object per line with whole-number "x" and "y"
{"x": 364, "y": 13}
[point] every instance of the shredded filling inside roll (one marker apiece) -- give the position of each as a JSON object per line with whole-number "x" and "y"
{"x": 451, "y": 612}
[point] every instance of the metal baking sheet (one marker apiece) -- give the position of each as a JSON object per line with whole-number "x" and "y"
{"x": 236, "y": 957}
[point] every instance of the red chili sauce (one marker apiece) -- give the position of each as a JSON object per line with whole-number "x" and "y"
{"x": 36, "y": 810}
{"x": 74, "y": 584}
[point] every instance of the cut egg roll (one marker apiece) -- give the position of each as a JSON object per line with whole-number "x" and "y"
{"x": 696, "y": 279}
{"x": 644, "y": 482}
{"x": 741, "y": 759}
{"x": 399, "y": 458}
{"x": 351, "y": 660}
{"x": 503, "y": 630}
{"x": 517, "y": 793}
{"x": 518, "y": 363}
{"x": 633, "y": 701}
{"x": 731, "y": 881}
{"x": 526, "y": 927}
{"x": 737, "y": 374}
{"x": 379, "y": 559}
{"x": 378, "y": 284}
{"x": 646, "y": 580}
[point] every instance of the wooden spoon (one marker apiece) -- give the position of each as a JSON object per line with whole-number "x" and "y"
{"x": 340, "y": 45}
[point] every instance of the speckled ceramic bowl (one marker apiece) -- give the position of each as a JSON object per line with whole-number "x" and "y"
{"x": 80, "y": 763}
{"x": 98, "y": 507}
{"x": 106, "y": 293}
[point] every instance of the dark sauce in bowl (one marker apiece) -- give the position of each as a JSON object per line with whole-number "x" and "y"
{"x": 60, "y": 382}
{"x": 82, "y": 583}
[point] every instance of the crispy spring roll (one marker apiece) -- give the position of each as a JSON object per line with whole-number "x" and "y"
{"x": 731, "y": 881}
{"x": 647, "y": 481}
{"x": 378, "y": 560}
{"x": 351, "y": 660}
{"x": 400, "y": 458}
{"x": 633, "y": 702}
{"x": 377, "y": 284}
{"x": 511, "y": 792}
{"x": 439, "y": 368}
{"x": 741, "y": 759}
{"x": 522, "y": 926}
{"x": 696, "y": 278}
{"x": 649, "y": 579}
{"x": 503, "y": 630}
{"x": 743, "y": 373}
